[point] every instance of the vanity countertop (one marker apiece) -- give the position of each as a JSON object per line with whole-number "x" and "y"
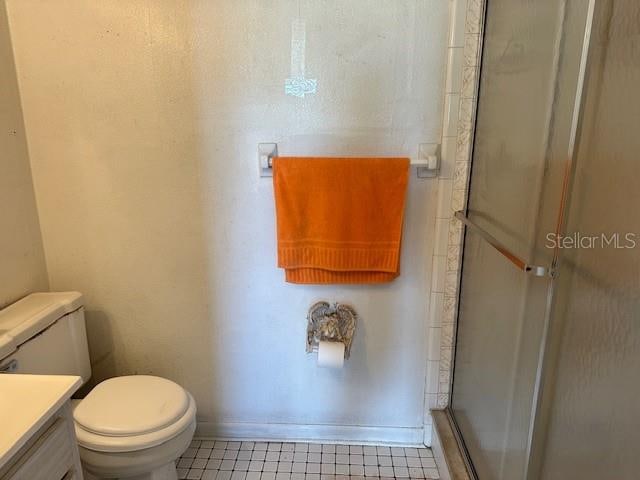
{"x": 26, "y": 403}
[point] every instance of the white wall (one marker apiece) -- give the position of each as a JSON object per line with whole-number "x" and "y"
{"x": 143, "y": 121}
{"x": 22, "y": 266}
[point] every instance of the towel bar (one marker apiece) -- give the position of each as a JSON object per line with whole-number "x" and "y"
{"x": 427, "y": 164}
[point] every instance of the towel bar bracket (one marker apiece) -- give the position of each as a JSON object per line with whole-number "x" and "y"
{"x": 266, "y": 153}
{"x": 427, "y": 164}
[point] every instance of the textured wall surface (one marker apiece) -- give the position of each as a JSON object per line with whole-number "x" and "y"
{"x": 143, "y": 123}
{"x": 22, "y": 265}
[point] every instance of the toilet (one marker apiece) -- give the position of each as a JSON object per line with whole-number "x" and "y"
{"x": 131, "y": 427}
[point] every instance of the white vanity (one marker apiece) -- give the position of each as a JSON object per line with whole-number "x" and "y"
{"x": 37, "y": 436}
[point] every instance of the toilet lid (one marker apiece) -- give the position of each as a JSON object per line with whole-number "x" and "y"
{"x": 131, "y": 405}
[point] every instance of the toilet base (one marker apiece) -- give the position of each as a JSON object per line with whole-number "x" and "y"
{"x": 155, "y": 463}
{"x": 166, "y": 472}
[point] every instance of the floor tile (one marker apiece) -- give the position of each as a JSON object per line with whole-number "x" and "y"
{"x": 328, "y": 448}
{"x": 217, "y": 453}
{"x": 229, "y": 454}
{"x": 425, "y": 452}
{"x": 272, "y": 456}
{"x": 244, "y": 455}
{"x": 383, "y": 451}
{"x": 428, "y": 462}
{"x": 416, "y": 472}
{"x": 258, "y": 455}
{"x": 399, "y": 461}
{"x": 299, "y": 467}
{"x": 328, "y": 468}
{"x": 386, "y": 471}
{"x": 204, "y": 453}
{"x": 431, "y": 473}
{"x": 411, "y": 452}
{"x": 328, "y": 457}
{"x": 248, "y": 460}
{"x": 356, "y": 469}
{"x": 371, "y": 471}
{"x": 397, "y": 451}
{"x": 200, "y": 463}
{"x": 227, "y": 464}
{"x": 342, "y": 469}
{"x": 286, "y": 456}
{"x": 401, "y": 472}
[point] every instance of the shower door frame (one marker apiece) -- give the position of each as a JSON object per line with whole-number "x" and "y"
{"x": 539, "y": 414}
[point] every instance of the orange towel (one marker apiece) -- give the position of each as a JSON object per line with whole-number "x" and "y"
{"x": 339, "y": 220}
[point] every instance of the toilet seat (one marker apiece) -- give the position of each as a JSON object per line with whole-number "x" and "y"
{"x": 130, "y": 413}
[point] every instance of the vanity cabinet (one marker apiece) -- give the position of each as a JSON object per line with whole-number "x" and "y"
{"x": 37, "y": 434}
{"x": 50, "y": 454}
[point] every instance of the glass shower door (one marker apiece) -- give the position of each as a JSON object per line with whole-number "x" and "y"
{"x": 529, "y": 85}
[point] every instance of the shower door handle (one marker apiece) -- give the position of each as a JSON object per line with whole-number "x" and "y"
{"x": 536, "y": 270}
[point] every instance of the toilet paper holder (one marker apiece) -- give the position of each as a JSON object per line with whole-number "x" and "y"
{"x": 331, "y": 323}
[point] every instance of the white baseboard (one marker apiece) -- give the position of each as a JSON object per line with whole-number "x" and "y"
{"x": 401, "y": 436}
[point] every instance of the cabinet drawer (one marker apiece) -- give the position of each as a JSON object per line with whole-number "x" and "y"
{"x": 49, "y": 458}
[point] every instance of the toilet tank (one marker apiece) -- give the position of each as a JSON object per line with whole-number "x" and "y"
{"x": 45, "y": 333}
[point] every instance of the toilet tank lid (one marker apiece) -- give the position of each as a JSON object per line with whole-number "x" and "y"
{"x": 31, "y": 315}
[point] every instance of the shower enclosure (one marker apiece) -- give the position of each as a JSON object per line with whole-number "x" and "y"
{"x": 546, "y": 381}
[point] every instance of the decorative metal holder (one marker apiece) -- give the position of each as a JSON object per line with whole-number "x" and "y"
{"x": 328, "y": 323}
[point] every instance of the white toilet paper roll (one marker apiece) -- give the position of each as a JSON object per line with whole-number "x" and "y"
{"x": 331, "y": 354}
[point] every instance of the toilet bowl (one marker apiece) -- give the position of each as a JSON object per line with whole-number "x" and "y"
{"x": 134, "y": 427}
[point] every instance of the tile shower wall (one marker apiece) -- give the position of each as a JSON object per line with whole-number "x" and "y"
{"x": 143, "y": 120}
{"x": 464, "y": 43}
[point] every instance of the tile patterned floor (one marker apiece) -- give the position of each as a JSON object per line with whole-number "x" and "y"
{"x": 218, "y": 460}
